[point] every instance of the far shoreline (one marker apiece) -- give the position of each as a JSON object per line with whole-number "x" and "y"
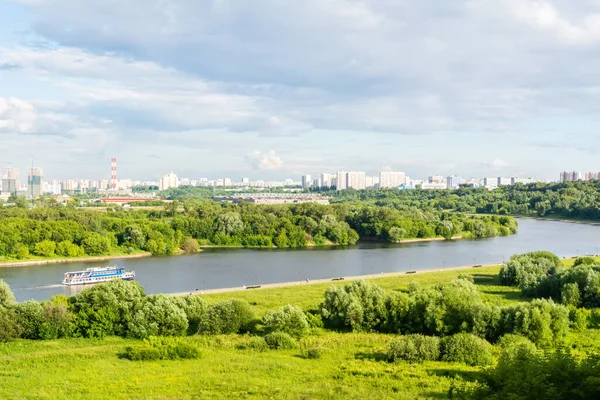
{"x": 13, "y": 264}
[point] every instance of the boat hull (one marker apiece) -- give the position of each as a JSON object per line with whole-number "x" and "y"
{"x": 96, "y": 282}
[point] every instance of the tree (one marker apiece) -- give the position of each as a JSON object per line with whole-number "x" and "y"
{"x": 45, "y": 248}
{"x": 190, "y": 245}
{"x": 396, "y": 234}
{"x": 95, "y": 244}
{"x": 289, "y": 319}
{"x": 157, "y": 315}
{"x": 7, "y": 298}
{"x": 226, "y": 317}
{"x": 229, "y": 223}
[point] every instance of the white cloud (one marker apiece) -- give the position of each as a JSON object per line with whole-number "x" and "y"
{"x": 264, "y": 161}
{"x": 499, "y": 164}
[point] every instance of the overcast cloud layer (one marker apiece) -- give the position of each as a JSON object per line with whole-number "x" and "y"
{"x": 272, "y": 89}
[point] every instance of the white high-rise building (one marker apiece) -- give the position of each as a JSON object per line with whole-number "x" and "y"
{"x": 306, "y": 181}
{"x": 168, "y": 181}
{"x": 391, "y": 179}
{"x": 342, "y": 180}
{"x": 326, "y": 180}
{"x": 357, "y": 180}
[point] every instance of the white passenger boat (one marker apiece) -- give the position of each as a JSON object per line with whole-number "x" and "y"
{"x": 97, "y": 275}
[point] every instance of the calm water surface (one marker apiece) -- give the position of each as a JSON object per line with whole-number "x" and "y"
{"x": 220, "y": 268}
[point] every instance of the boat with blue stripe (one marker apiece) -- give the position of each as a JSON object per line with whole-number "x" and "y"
{"x": 97, "y": 275}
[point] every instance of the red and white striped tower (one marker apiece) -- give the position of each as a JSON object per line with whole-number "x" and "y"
{"x": 113, "y": 173}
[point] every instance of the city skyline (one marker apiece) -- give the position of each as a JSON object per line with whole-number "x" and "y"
{"x": 451, "y": 88}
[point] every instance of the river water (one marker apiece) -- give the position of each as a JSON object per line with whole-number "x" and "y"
{"x": 223, "y": 268}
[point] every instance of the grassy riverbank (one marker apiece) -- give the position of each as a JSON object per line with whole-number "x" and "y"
{"x": 36, "y": 260}
{"x": 352, "y": 365}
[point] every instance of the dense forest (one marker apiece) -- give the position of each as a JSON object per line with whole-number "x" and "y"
{"x": 66, "y": 231}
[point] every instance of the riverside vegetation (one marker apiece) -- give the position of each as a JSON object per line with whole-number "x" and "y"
{"x": 50, "y": 231}
{"x": 456, "y": 334}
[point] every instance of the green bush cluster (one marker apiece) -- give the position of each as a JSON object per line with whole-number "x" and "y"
{"x": 226, "y": 317}
{"x": 162, "y": 348}
{"x": 466, "y": 348}
{"x": 414, "y": 348}
{"x": 289, "y": 319}
{"x": 539, "y": 274}
{"x": 280, "y": 341}
{"x": 525, "y": 373}
{"x": 443, "y": 310}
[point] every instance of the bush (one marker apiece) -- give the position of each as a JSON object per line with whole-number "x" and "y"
{"x": 585, "y": 261}
{"x": 160, "y": 348}
{"x": 359, "y": 306}
{"x": 570, "y": 295}
{"x": 157, "y": 315}
{"x": 289, "y": 319}
{"x": 7, "y": 298}
{"x": 313, "y": 353}
{"x": 226, "y": 317}
{"x": 190, "y": 245}
{"x": 58, "y": 320}
{"x": 414, "y": 348}
{"x": 527, "y": 270}
{"x": 466, "y": 348}
{"x": 105, "y": 309}
{"x": 30, "y": 317}
{"x": 579, "y": 318}
{"x": 9, "y": 328}
{"x": 68, "y": 249}
{"x": 45, "y": 248}
{"x": 280, "y": 341}
{"x": 255, "y": 343}
{"x": 194, "y": 307}
{"x": 538, "y": 375}
{"x": 315, "y": 321}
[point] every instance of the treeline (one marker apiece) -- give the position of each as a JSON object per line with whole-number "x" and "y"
{"x": 70, "y": 232}
{"x": 569, "y": 199}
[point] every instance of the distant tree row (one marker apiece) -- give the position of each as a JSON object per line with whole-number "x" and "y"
{"x": 569, "y": 199}
{"x": 71, "y": 232}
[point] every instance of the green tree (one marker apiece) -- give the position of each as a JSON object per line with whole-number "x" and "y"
{"x": 45, "y": 248}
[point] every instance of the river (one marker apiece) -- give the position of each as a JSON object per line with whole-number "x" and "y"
{"x": 223, "y": 268}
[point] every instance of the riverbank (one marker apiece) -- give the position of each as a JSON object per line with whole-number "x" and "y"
{"x": 12, "y": 264}
{"x": 562, "y": 219}
{"x": 329, "y": 280}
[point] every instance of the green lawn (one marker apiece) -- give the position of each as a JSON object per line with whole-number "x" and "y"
{"x": 352, "y": 365}
{"x": 310, "y": 296}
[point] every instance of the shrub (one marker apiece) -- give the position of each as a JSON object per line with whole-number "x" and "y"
{"x": 584, "y": 261}
{"x": 255, "y": 343}
{"x": 226, "y": 317}
{"x": 579, "y": 318}
{"x": 315, "y": 321}
{"x": 45, "y": 248}
{"x": 157, "y": 315}
{"x": 359, "y": 306}
{"x": 289, "y": 319}
{"x": 194, "y": 308}
{"x": 105, "y": 309}
{"x": 161, "y": 348}
{"x": 526, "y": 270}
{"x": 68, "y": 249}
{"x": 58, "y": 320}
{"x": 538, "y": 375}
{"x": 466, "y": 348}
{"x": 280, "y": 341}
{"x": 414, "y": 348}
{"x": 190, "y": 245}
{"x": 9, "y": 328}
{"x": 7, "y": 298}
{"x": 313, "y": 353}
{"x": 570, "y": 295}
{"x": 30, "y": 317}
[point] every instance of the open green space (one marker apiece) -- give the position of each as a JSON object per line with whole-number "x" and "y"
{"x": 352, "y": 365}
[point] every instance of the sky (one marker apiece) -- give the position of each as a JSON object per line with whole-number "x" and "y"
{"x": 271, "y": 89}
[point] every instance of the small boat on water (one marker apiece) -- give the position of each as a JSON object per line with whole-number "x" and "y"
{"x": 97, "y": 275}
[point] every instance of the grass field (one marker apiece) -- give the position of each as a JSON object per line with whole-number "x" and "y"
{"x": 352, "y": 365}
